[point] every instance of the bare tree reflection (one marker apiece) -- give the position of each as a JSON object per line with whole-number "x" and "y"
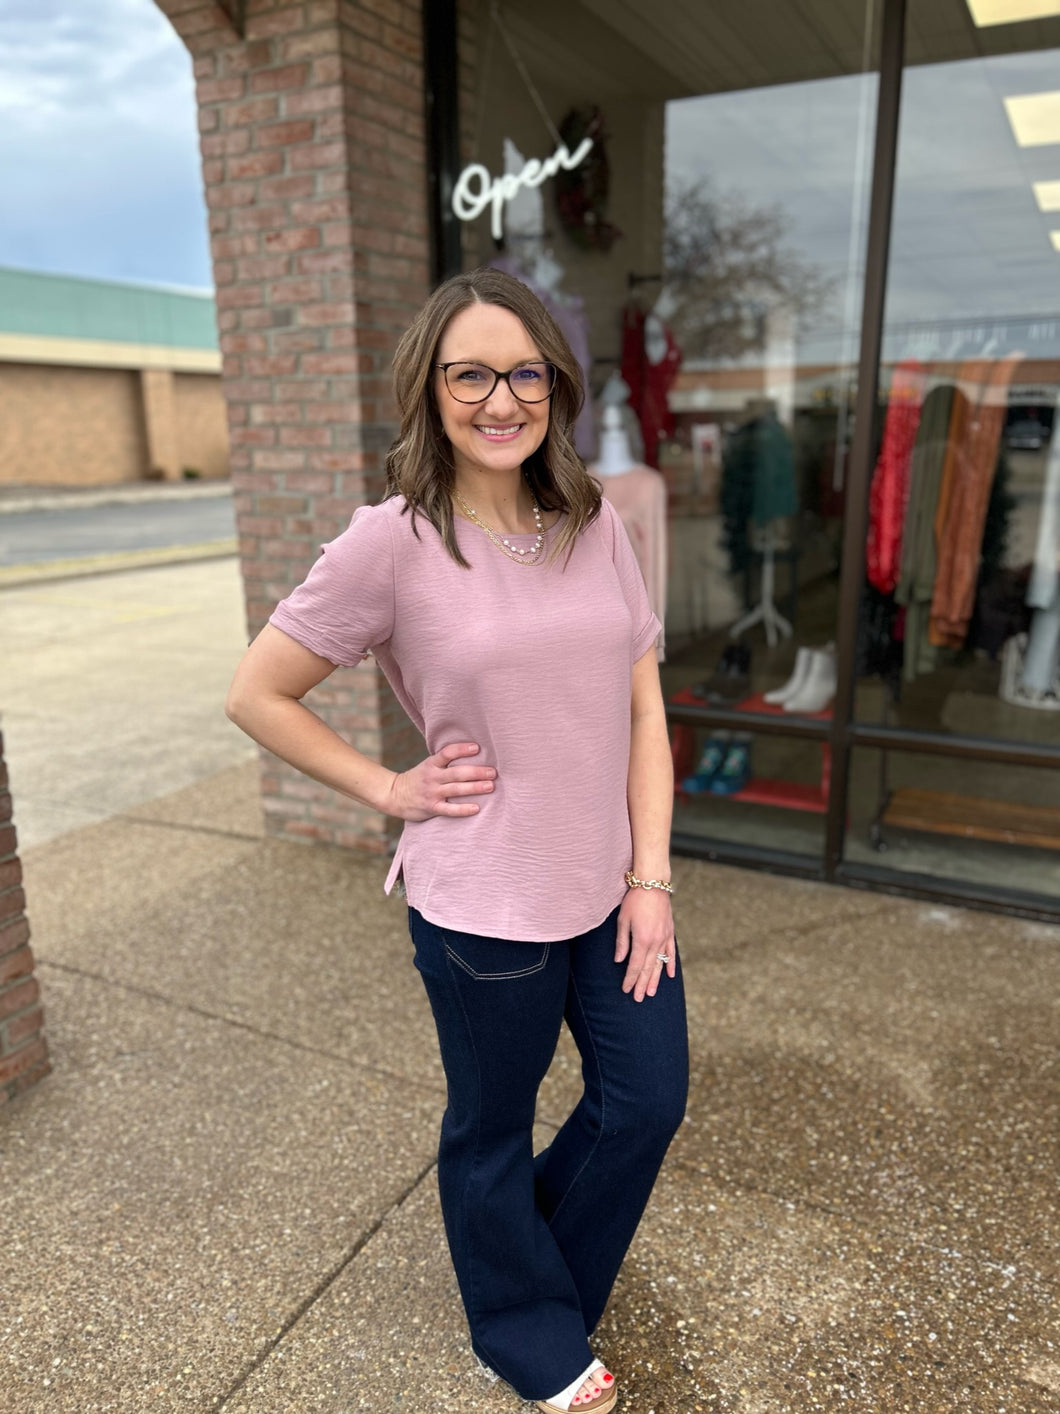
{"x": 727, "y": 263}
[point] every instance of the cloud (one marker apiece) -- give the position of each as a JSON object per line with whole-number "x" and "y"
{"x": 99, "y": 164}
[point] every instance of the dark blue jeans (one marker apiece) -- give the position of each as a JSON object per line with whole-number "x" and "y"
{"x": 537, "y": 1243}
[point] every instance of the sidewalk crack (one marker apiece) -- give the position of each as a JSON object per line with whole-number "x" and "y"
{"x": 273, "y": 1036}
{"x": 321, "y": 1288}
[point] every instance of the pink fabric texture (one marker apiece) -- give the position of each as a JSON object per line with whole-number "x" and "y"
{"x": 639, "y": 497}
{"x": 532, "y": 662}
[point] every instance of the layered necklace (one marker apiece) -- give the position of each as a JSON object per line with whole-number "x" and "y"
{"x": 531, "y": 556}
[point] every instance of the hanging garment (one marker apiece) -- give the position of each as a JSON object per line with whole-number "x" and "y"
{"x": 657, "y": 420}
{"x": 1045, "y": 574}
{"x": 737, "y": 495}
{"x": 916, "y": 580}
{"x": 890, "y": 482}
{"x": 639, "y": 497}
{"x": 961, "y": 539}
{"x": 757, "y": 483}
{"x": 649, "y": 383}
{"x": 969, "y": 376}
{"x": 878, "y": 651}
{"x": 774, "y": 481}
{"x": 634, "y": 359}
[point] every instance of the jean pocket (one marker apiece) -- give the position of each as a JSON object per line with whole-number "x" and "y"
{"x": 495, "y": 959}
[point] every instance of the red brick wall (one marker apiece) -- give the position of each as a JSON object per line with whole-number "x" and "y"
{"x": 312, "y": 136}
{"x": 23, "y": 1049}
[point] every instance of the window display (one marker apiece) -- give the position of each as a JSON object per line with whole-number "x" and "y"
{"x": 700, "y": 233}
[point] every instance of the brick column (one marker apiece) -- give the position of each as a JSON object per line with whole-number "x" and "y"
{"x": 315, "y": 174}
{"x": 23, "y": 1049}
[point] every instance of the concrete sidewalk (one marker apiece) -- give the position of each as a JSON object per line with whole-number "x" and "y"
{"x": 224, "y": 1197}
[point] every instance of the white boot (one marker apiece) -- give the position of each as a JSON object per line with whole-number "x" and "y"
{"x": 780, "y": 695}
{"x": 818, "y": 687}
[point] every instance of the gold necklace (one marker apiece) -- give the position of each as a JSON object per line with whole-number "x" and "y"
{"x": 531, "y": 556}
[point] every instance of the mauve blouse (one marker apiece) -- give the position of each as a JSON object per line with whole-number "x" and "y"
{"x": 534, "y": 663}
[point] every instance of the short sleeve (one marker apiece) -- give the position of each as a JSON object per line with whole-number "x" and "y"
{"x": 345, "y": 605}
{"x": 646, "y": 627}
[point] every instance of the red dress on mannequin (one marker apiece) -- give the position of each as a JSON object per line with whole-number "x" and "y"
{"x": 649, "y": 383}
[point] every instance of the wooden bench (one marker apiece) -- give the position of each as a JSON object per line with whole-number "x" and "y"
{"x": 945, "y": 813}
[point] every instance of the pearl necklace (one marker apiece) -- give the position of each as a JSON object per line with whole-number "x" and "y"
{"x": 531, "y": 556}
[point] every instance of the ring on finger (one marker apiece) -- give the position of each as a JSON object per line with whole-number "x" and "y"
{"x": 662, "y": 958}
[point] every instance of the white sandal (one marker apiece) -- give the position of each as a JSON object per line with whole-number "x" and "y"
{"x": 561, "y": 1403}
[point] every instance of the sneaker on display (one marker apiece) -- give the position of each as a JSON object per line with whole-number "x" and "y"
{"x": 734, "y": 772}
{"x": 710, "y": 762}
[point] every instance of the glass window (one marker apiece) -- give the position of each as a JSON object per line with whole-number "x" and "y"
{"x": 698, "y": 229}
{"x": 980, "y": 823}
{"x": 960, "y": 621}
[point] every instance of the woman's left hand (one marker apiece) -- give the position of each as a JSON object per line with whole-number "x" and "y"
{"x": 646, "y": 930}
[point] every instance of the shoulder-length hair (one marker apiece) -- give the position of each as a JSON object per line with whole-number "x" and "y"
{"x": 419, "y": 464}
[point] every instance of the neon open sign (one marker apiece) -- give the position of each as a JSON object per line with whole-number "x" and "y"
{"x": 476, "y": 190}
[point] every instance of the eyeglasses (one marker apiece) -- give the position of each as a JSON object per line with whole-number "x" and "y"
{"x": 475, "y": 382}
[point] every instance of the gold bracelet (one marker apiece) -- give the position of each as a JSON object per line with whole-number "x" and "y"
{"x": 634, "y": 883}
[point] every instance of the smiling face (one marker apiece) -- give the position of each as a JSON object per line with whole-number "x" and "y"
{"x": 499, "y": 434}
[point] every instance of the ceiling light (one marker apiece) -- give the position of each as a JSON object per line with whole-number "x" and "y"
{"x": 1054, "y": 236}
{"x": 1008, "y": 12}
{"x": 1047, "y": 195}
{"x": 1035, "y": 118}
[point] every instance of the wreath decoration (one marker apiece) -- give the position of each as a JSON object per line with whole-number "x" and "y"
{"x": 581, "y": 194}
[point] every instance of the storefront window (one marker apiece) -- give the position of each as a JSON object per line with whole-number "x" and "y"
{"x": 689, "y": 191}
{"x": 705, "y": 257}
{"x": 960, "y": 628}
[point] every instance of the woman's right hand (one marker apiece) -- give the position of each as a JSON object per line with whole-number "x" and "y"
{"x": 440, "y": 785}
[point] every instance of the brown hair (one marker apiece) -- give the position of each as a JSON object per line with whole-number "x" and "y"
{"x": 419, "y": 464}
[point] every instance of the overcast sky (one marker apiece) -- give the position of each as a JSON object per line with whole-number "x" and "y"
{"x": 99, "y": 160}
{"x": 968, "y": 241}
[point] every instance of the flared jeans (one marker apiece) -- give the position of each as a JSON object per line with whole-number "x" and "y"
{"x": 537, "y": 1242}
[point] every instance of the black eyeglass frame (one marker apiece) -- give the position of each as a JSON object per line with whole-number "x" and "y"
{"x": 497, "y": 376}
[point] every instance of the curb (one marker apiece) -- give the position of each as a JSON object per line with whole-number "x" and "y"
{"x": 49, "y": 571}
{"x": 111, "y": 496}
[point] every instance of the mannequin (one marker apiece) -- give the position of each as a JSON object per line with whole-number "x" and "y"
{"x": 650, "y": 361}
{"x": 758, "y": 491}
{"x": 615, "y": 455}
{"x": 638, "y": 494}
{"x": 657, "y": 336}
{"x": 616, "y": 393}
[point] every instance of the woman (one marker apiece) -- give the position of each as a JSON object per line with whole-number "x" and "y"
{"x": 502, "y": 600}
